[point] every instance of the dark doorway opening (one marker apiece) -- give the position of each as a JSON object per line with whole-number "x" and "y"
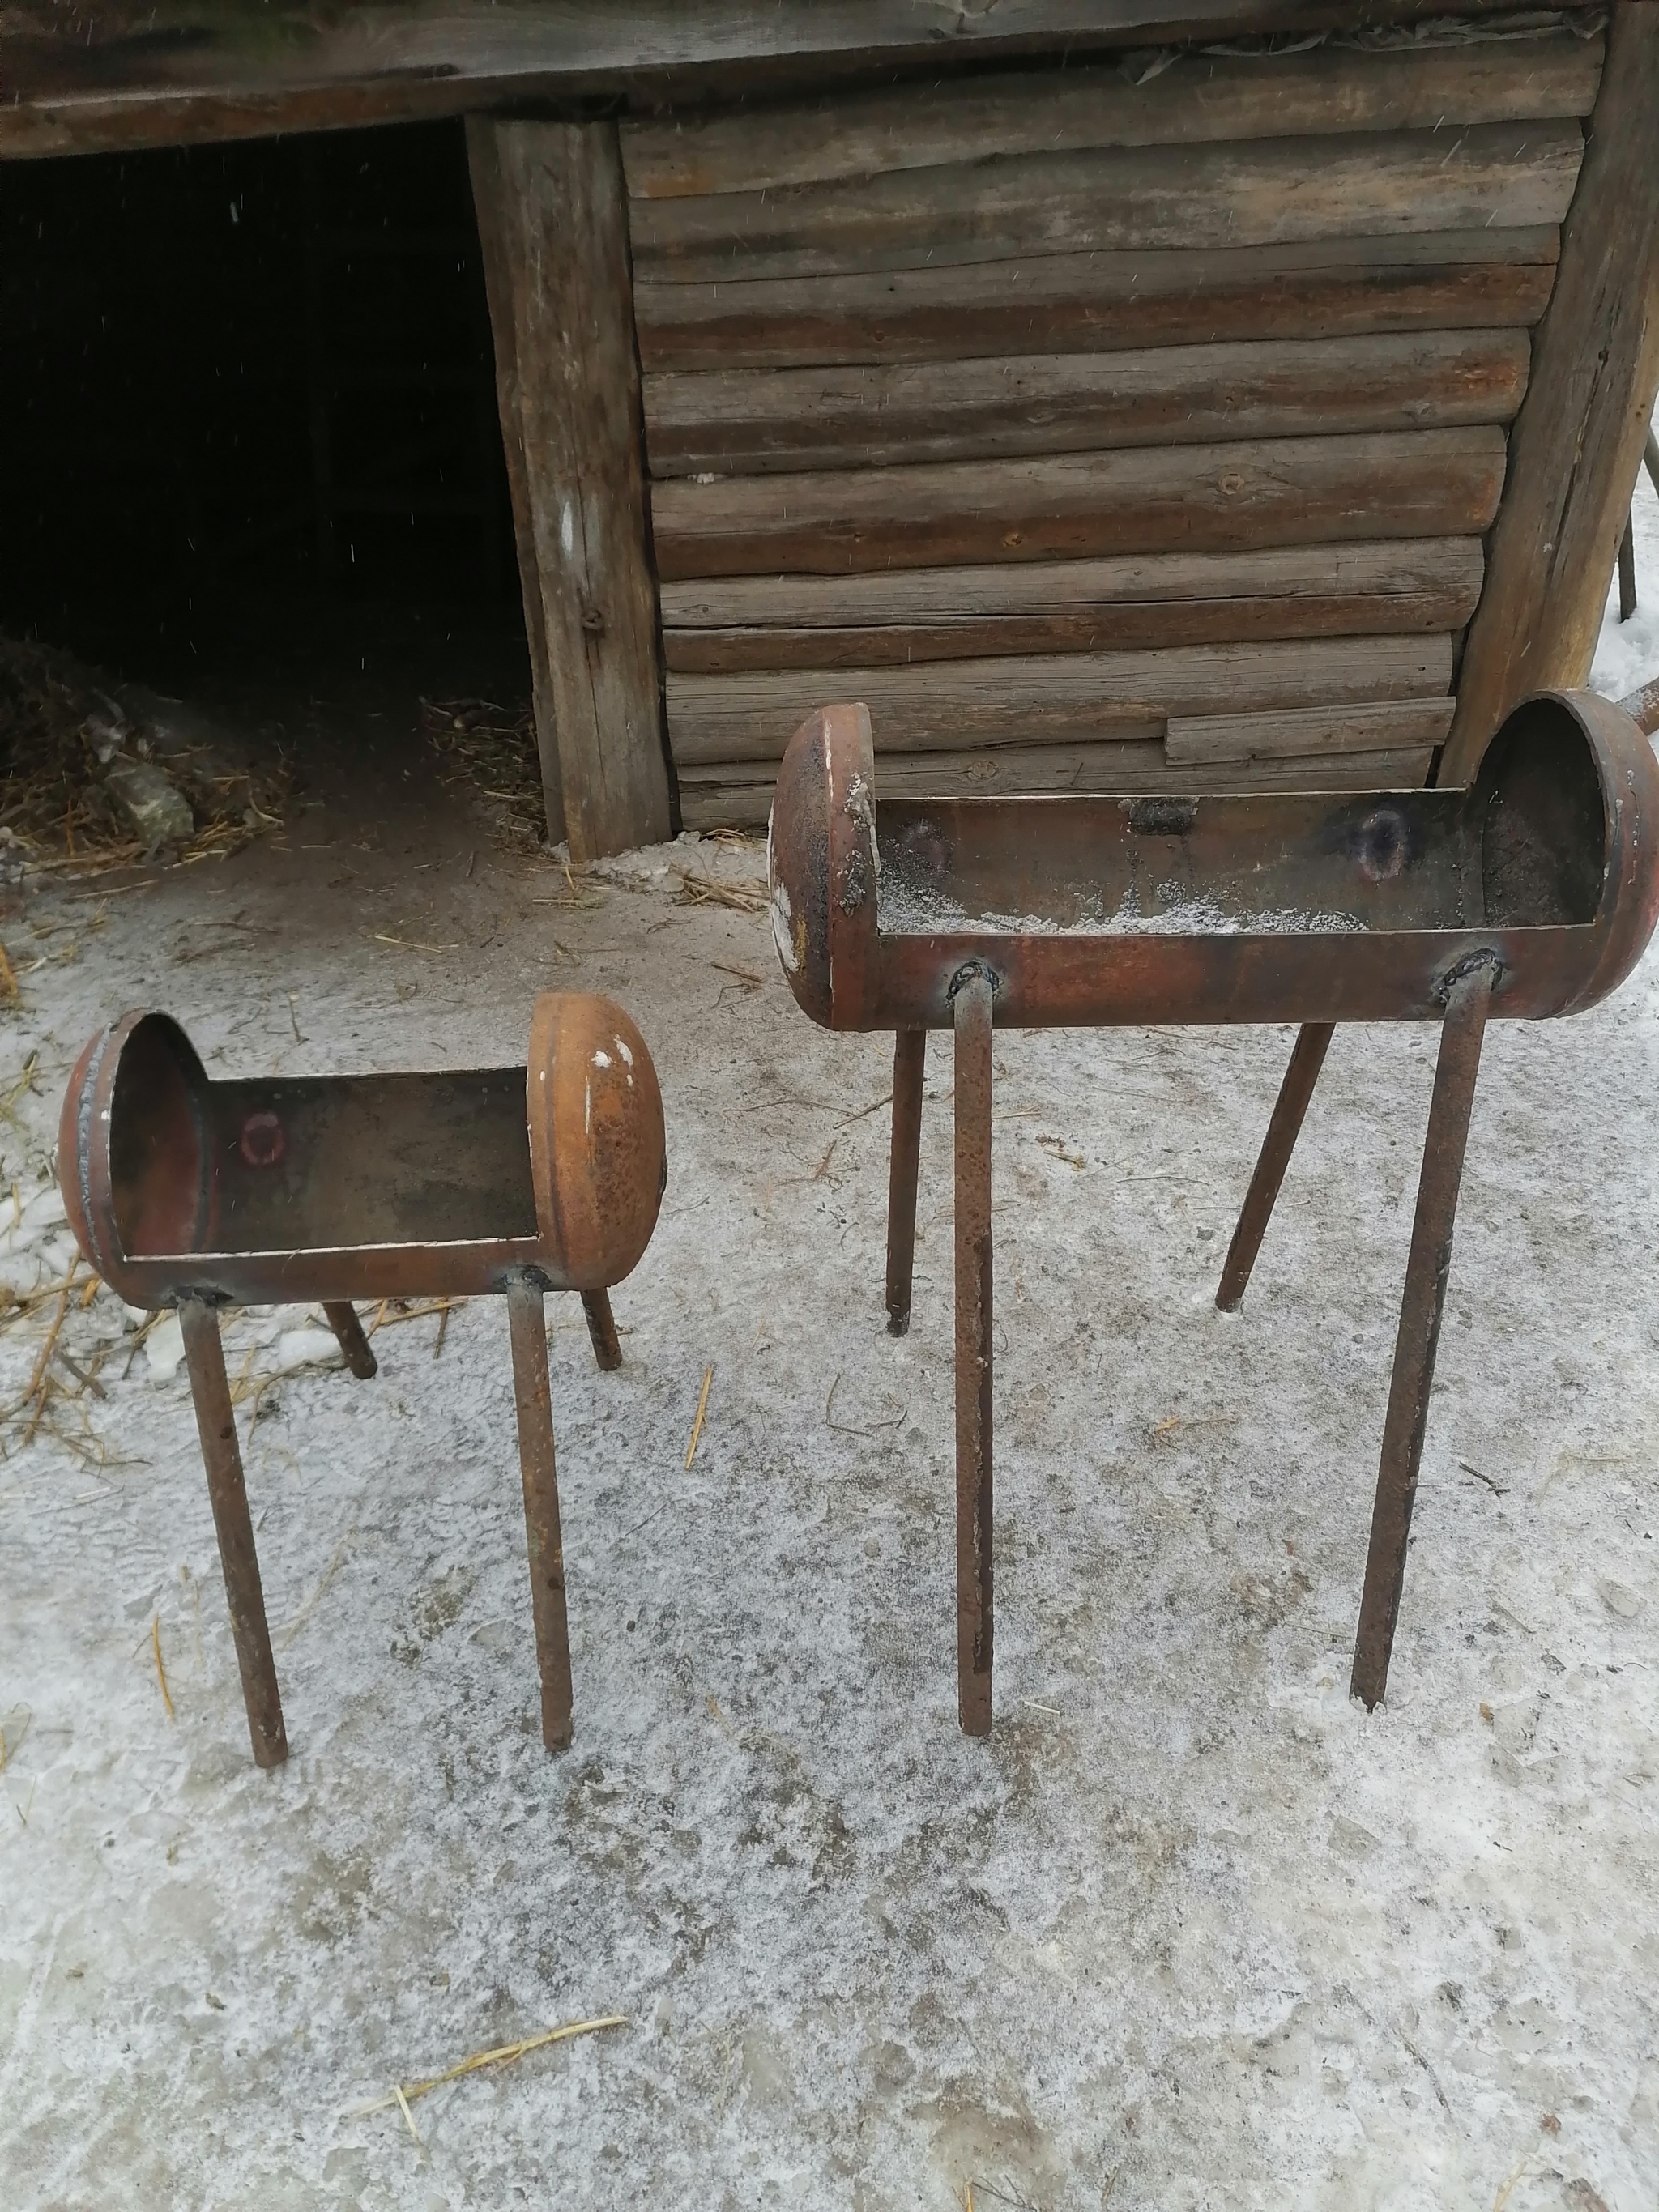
{"x": 251, "y": 412}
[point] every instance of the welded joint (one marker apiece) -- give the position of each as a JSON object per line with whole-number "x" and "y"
{"x": 973, "y": 971}
{"x": 1471, "y": 964}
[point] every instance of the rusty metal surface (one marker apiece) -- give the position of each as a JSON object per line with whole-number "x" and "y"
{"x": 602, "y": 1331}
{"x": 971, "y": 1005}
{"x": 342, "y": 1317}
{"x": 1281, "y": 907}
{"x": 516, "y": 1180}
{"x": 1421, "y": 1309}
{"x": 1313, "y": 1041}
{"x": 527, "y": 1326}
{"x": 909, "y": 1064}
{"x": 227, "y": 1489}
{"x": 335, "y": 1188}
{"x": 1532, "y": 891}
{"x": 1643, "y": 707}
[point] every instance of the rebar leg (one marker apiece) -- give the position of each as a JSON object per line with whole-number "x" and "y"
{"x": 1283, "y": 1129}
{"x": 909, "y": 1058}
{"x": 1421, "y": 1307}
{"x": 216, "y": 1424}
{"x": 972, "y": 998}
{"x": 528, "y": 1326}
{"x": 602, "y": 1329}
{"x": 1627, "y": 570}
{"x": 348, "y": 1335}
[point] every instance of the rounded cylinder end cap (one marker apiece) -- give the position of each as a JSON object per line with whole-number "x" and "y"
{"x": 798, "y": 854}
{"x": 71, "y": 1164}
{"x": 597, "y": 1158}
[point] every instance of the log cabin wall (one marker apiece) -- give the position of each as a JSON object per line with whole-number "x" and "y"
{"x": 1126, "y": 427}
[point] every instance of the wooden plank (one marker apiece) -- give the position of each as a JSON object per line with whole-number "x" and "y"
{"x": 1070, "y": 303}
{"x": 1264, "y": 192}
{"x": 549, "y": 198}
{"x": 724, "y": 796}
{"x": 746, "y": 422}
{"x": 1416, "y": 483}
{"x": 95, "y": 77}
{"x": 1577, "y": 441}
{"x": 1066, "y": 699}
{"x": 488, "y": 193}
{"x": 1362, "y": 727}
{"x": 1201, "y": 97}
{"x": 1406, "y": 569}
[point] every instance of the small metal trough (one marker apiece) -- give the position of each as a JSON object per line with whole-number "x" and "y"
{"x": 1530, "y": 893}
{"x": 504, "y": 1181}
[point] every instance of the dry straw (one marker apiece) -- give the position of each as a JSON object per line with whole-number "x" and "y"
{"x": 504, "y": 2054}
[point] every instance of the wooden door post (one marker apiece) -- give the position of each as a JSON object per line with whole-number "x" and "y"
{"x": 553, "y": 219}
{"x": 1578, "y": 440}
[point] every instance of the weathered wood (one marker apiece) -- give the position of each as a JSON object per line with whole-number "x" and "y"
{"x": 490, "y": 198}
{"x": 1201, "y": 97}
{"x": 1264, "y": 192}
{"x": 551, "y": 207}
{"x": 1416, "y": 483}
{"x": 1081, "y": 302}
{"x": 1068, "y": 698}
{"x": 746, "y": 421}
{"x": 1305, "y": 732}
{"x": 728, "y": 795}
{"x": 1578, "y": 438}
{"x": 116, "y": 58}
{"x": 1074, "y": 606}
{"x": 1405, "y": 571}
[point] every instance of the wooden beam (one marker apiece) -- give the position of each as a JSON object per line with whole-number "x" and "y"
{"x": 1104, "y": 302}
{"x": 1199, "y": 740}
{"x": 750, "y": 421}
{"x": 1383, "y": 588}
{"x": 1578, "y": 440}
{"x": 1067, "y": 699}
{"x": 1263, "y": 192}
{"x": 554, "y": 220}
{"x": 1199, "y": 97}
{"x": 115, "y": 73}
{"x": 489, "y": 194}
{"x": 729, "y": 795}
{"x": 1204, "y": 498}
{"x": 1408, "y": 569}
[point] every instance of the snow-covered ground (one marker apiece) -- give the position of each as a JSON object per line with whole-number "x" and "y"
{"x": 1628, "y": 654}
{"x": 1190, "y": 1930}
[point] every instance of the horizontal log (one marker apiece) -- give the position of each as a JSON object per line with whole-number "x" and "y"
{"x": 905, "y": 615}
{"x": 1193, "y": 740}
{"x": 725, "y": 796}
{"x": 1082, "y": 303}
{"x": 1202, "y": 499}
{"x": 1408, "y": 568}
{"x": 1262, "y": 192}
{"x": 1200, "y": 97}
{"x": 135, "y": 72}
{"x": 1067, "y": 699}
{"x": 748, "y": 421}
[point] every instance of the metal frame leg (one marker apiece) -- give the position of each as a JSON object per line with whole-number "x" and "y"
{"x": 533, "y": 1396}
{"x": 348, "y": 1335}
{"x": 1421, "y": 1307}
{"x": 602, "y": 1330}
{"x": 1312, "y": 1042}
{"x": 909, "y": 1060}
{"x": 972, "y": 996}
{"x": 216, "y": 1422}
{"x": 1627, "y": 570}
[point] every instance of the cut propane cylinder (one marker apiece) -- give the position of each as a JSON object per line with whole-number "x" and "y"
{"x": 1531, "y": 892}
{"x": 187, "y": 1192}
